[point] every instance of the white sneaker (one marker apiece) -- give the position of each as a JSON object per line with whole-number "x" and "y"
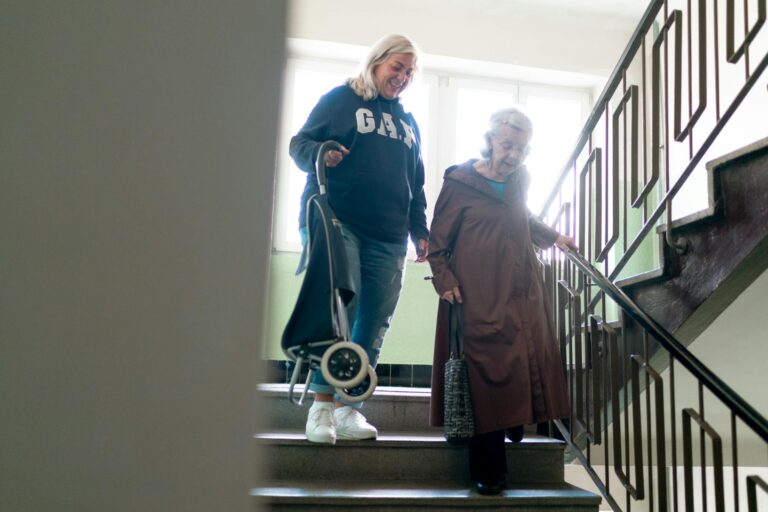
{"x": 320, "y": 425}
{"x": 350, "y": 424}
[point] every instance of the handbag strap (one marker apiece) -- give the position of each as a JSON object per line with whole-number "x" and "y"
{"x": 455, "y": 334}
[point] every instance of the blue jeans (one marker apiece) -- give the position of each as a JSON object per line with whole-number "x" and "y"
{"x": 377, "y": 270}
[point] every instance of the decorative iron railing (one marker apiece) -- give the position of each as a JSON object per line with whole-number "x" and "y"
{"x": 607, "y": 407}
{"x": 684, "y": 90}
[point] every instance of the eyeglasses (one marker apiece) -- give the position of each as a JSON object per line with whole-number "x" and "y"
{"x": 523, "y": 150}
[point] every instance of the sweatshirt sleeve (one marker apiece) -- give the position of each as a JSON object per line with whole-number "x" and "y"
{"x": 305, "y": 145}
{"x": 445, "y": 227}
{"x": 417, "y": 216}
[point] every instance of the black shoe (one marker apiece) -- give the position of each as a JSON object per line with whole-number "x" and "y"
{"x": 490, "y": 488}
{"x": 515, "y": 434}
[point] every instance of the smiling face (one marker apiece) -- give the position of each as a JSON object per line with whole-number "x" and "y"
{"x": 394, "y": 74}
{"x": 509, "y": 147}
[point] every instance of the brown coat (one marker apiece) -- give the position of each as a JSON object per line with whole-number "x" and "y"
{"x": 484, "y": 245}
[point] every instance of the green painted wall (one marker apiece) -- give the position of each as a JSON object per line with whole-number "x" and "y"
{"x": 411, "y": 337}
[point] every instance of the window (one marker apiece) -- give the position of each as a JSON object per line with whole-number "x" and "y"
{"x": 558, "y": 116}
{"x": 452, "y": 111}
{"x": 305, "y": 83}
{"x": 475, "y": 102}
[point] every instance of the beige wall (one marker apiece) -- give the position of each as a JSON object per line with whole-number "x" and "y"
{"x": 136, "y": 190}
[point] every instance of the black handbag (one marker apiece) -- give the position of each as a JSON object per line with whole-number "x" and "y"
{"x": 458, "y": 418}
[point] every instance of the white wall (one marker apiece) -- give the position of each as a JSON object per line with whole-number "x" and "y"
{"x": 526, "y": 33}
{"x": 734, "y": 348}
{"x": 136, "y": 191}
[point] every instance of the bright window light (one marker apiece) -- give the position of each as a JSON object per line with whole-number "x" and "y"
{"x": 557, "y": 120}
{"x": 474, "y": 106}
{"x": 308, "y": 86}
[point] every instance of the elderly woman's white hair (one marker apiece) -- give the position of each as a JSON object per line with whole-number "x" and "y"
{"x": 363, "y": 83}
{"x": 511, "y": 116}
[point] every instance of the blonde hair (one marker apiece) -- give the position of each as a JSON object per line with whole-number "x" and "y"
{"x": 363, "y": 83}
{"x": 511, "y": 116}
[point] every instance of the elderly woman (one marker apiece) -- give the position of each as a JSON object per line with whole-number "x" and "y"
{"x": 375, "y": 187}
{"x": 481, "y": 250}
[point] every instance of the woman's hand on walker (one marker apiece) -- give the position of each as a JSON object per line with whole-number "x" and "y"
{"x": 452, "y": 295}
{"x": 333, "y": 158}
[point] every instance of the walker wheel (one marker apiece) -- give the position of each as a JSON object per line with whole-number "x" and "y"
{"x": 362, "y": 391}
{"x": 344, "y": 364}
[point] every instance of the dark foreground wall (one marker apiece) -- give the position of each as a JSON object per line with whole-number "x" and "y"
{"x": 136, "y": 173}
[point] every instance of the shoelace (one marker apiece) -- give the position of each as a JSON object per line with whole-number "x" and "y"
{"x": 317, "y": 416}
{"x": 353, "y": 417}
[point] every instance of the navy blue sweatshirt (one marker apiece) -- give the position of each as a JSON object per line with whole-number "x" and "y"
{"x": 378, "y": 188}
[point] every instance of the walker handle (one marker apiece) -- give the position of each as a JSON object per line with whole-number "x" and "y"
{"x": 325, "y": 147}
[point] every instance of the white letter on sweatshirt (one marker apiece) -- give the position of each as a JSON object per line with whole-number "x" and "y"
{"x": 365, "y": 122}
{"x": 386, "y": 123}
{"x": 409, "y": 135}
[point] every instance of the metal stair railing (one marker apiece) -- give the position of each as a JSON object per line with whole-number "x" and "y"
{"x": 677, "y": 350}
{"x": 686, "y": 78}
{"x": 607, "y": 380}
{"x": 641, "y": 452}
{"x": 620, "y": 175}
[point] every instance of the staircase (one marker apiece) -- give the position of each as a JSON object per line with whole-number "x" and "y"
{"x": 726, "y": 248}
{"x": 409, "y": 467}
{"x": 711, "y": 258}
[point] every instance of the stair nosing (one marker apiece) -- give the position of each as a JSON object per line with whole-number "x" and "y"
{"x": 373, "y": 492}
{"x": 276, "y": 389}
{"x": 436, "y": 436}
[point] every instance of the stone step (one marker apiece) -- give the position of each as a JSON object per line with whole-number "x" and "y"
{"x": 406, "y": 457}
{"x": 407, "y": 496}
{"x": 398, "y": 409}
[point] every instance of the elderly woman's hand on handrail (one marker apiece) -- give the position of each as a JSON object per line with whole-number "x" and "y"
{"x": 566, "y": 242}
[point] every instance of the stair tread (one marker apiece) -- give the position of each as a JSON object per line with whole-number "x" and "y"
{"x": 401, "y": 438}
{"x": 381, "y": 391}
{"x": 433, "y": 491}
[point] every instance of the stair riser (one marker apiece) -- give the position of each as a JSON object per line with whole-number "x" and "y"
{"x": 387, "y": 413}
{"x": 365, "y": 460}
